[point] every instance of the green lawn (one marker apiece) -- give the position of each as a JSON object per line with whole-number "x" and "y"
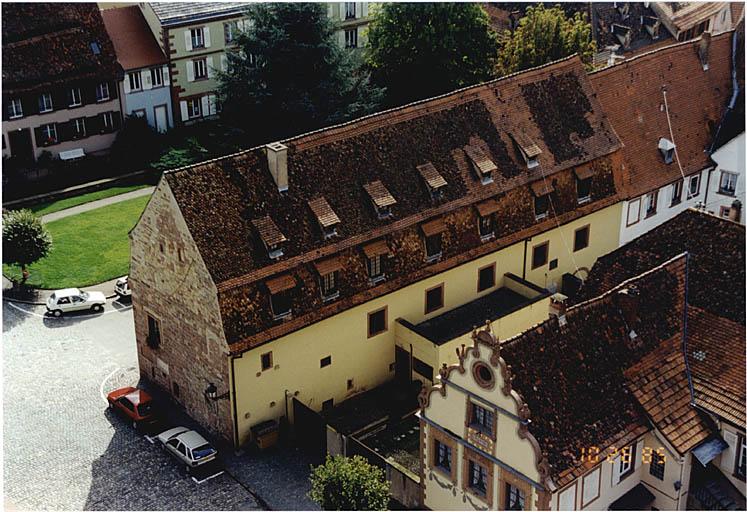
{"x": 55, "y": 206}
{"x": 88, "y": 248}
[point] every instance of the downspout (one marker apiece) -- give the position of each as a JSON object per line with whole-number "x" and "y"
{"x": 708, "y": 184}
{"x": 524, "y": 269}
{"x": 235, "y": 414}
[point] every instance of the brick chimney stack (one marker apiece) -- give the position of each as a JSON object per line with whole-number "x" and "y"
{"x": 735, "y": 212}
{"x": 704, "y": 47}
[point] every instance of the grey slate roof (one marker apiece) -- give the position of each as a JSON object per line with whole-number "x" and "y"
{"x": 172, "y": 13}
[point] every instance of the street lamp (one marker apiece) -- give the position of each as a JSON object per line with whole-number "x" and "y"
{"x": 211, "y": 392}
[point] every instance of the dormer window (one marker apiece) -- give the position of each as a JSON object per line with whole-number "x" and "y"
{"x": 280, "y": 295}
{"x": 434, "y": 182}
{"x": 433, "y": 232}
{"x": 481, "y": 163}
{"x": 325, "y": 217}
{"x": 328, "y": 271}
{"x": 541, "y": 190}
{"x": 529, "y": 150}
{"x": 271, "y": 236}
{"x": 374, "y": 253}
{"x": 381, "y": 198}
{"x": 486, "y": 219}
{"x": 667, "y": 150}
{"x": 584, "y": 176}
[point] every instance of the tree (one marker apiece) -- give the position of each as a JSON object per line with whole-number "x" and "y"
{"x": 420, "y": 50}
{"x": 343, "y": 483}
{"x": 25, "y": 239}
{"x": 137, "y": 143}
{"x": 289, "y": 75}
{"x": 544, "y": 35}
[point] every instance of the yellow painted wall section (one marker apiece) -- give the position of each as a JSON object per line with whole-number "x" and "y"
{"x": 296, "y": 357}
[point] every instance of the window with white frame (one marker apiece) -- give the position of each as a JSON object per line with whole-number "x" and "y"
{"x": 200, "y": 67}
{"x": 728, "y": 183}
{"x": 79, "y": 126}
{"x": 156, "y": 76}
{"x": 193, "y": 107}
{"x": 75, "y": 98}
{"x": 49, "y": 133}
{"x": 134, "y": 78}
{"x": 351, "y": 38}
{"x": 230, "y": 31}
{"x": 45, "y": 103}
{"x": 108, "y": 120}
{"x": 693, "y": 188}
{"x": 15, "y": 109}
{"x": 741, "y": 466}
{"x": 590, "y": 486}
{"x": 102, "y": 91}
{"x": 649, "y": 203}
{"x": 198, "y": 37}
{"x": 349, "y": 10}
{"x": 677, "y": 193}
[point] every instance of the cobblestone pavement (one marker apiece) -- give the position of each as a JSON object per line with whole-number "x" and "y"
{"x": 63, "y": 448}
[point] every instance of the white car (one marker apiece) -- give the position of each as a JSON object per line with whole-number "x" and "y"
{"x": 122, "y": 287}
{"x": 188, "y": 446}
{"x": 73, "y": 299}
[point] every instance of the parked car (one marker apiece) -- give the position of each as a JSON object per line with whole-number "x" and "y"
{"x": 122, "y": 287}
{"x": 188, "y": 446}
{"x": 73, "y": 299}
{"x": 135, "y": 404}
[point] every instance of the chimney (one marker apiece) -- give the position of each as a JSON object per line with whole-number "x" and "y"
{"x": 628, "y": 300}
{"x": 735, "y": 212}
{"x": 704, "y": 47}
{"x": 277, "y": 161}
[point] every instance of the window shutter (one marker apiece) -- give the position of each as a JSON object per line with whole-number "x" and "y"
{"x": 185, "y": 114}
{"x": 145, "y": 79}
{"x": 188, "y": 40}
{"x": 127, "y": 83}
{"x": 211, "y": 104}
{"x": 364, "y": 9}
{"x": 205, "y": 106}
{"x": 729, "y": 456}
{"x": 210, "y": 70}
{"x": 358, "y": 9}
{"x": 165, "y": 75}
{"x": 206, "y": 32}
{"x": 616, "y": 470}
{"x": 223, "y": 62}
{"x": 190, "y": 71}
{"x": 637, "y": 459}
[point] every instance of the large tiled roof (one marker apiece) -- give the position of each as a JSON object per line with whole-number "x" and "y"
{"x": 172, "y": 13}
{"x": 134, "y": 43}
{"x": 716, "y": 247}
{"x": 632, "y": 95}
{"x": 45, "y": 44}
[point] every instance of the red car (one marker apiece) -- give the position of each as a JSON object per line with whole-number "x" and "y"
{"x": 134, "y": 403}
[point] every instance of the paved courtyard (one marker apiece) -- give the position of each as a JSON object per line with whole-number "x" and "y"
{"x": 65, "y": 450}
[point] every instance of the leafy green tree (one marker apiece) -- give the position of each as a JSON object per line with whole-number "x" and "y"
{"x": 343, "y": 483}
{"x": 420, "y": 50}
{"x": 289, "y": 75}
{"x": 25, "y": 240}
{"x": 544, "y": 35}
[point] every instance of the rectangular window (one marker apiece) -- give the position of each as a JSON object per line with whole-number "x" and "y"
{"x": 154, "y": 333}
{"x": 377, "y": 322}
{"x": 515, "y": 498}
{"x": 677, "y": 193}
{"x": 625, "y": 462}
{"x": 156, "y": 76}
{"x": 230, "y": 31}
{"x": 329, "y": 286}
{"x": 374, "y": 266}
{"x": 45, "y": 103}
{"x": 198, "y": 37}
{"x": 193, "y": 107}
{"x": 478, "y": 478}
{"x": 266, "y": 361}
{"x": 135, "y": 83}
{"x": 442, "y": 454}
{"x": 328, "y": 404}
{"x": 482, "y": 419}
{"x": 581, "y": 238}
{"x": 541, "y": 206}
{"x": 79, "y": 126}
{"x": 351, "y": 38}
{"x": 200, "y": 67}
{"x": 485, "y": 227}
{"x": 634, "y": 211}
{"x": 724, "y": 212}
{"x": 108, "y": 120}
{"x": 583, "y": 190}
{"x": 649, "y": 204}
{"x": 15, "y": 109}
{"x": 433, "y": 247}
{"x": 540, "y": 255}
{"x": 656, "y": 468}
{"x": 325, "y": 361}
{"x": 75, "y": 97}
{"x": 102, "y": 91}
{"x": 281, "y": 304}
{"x": 728, "y": 183}
{"x": 486, "y": 277}
{"x": 434, "y": 298}
{"x": 422, "y": 368}
{"x": 694, "y": 187}
{"x": 741, "y": 465}
{"x": 349, "y": 10}
{"x": 49, "y": 133}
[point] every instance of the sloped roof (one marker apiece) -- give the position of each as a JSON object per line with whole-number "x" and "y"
{"x": 632, "y": 95}
{"x": 172, "y": 13}
{"x": 684, "y": 15}
{"x": 134, "y": 43}
{"x": 53, "y": 43}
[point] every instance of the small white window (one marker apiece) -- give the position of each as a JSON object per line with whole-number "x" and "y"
{"x": 193, "y": 107}
{"x": 75, "y": 98}
{"x": 351, "y": 38}
{"x": 108, "y": 120}
{"x": 200, "y": 67}
{"x": 694, "y": 187}
{"x": 15, "y": 109}
{"x": 728, "y": 184}
{"x": 349, "y": 10}
{"x": 45, "y": 103}
{"x": 649, "y": 203}
{"x": 134, "y": 78}
{"x": 156, "y": 76}
{"x": 198, "y": 37}
{"x": 79, "y": 125}
{"x": 102, "y": 91}
{"x": 677, "y": 193}
{"x": 49, "y": 133}
{"x": 230, "y": 31}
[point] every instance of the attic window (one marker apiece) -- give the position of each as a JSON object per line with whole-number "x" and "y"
{"x": 667, "y": 150}
{"x": 280, "y": 297}
{"x": 481, "y": 163}
{"x": 374, "y": 252}
{"x": 433, "y": 180}
{"x": 623, "y": 34}
{"x": 328, "y": 271}
{"x": 652, "y": 25}
{"x": 584, "y": 176}
{"x": 325, "y": 216}
{"x": 541, "y": 190}
{"x": 95, "y": 48}
{"x": 486, "y": 219}
{"x": 270, "y": 235}
{"x": 529, "y": 150}
{"x": 381, "y": 198}
{"x": 433, "y": 231}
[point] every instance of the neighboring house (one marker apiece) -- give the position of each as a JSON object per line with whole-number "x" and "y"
{"x": 353, "y": 18}
{"x": 60, "y": 77}
{"x": 145, "y": 89}
{"x": 687, "y": 20}
{"x": 601, "y": 407}
{"x": 726, "y": 195}
{"x": 649, "y": 100}
{"x": 282, "y": 275}
{"x": 194, "y": 36}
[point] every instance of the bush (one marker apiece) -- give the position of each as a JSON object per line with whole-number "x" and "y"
{"x": 25, "y": 239}
{"x": 136, "y": 144}
{"x": 343, "y": 483}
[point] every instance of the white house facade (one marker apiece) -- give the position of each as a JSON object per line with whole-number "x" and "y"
{"x": 726, "y": 181}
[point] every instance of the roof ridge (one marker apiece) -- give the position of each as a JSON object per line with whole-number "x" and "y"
{"x": 212, "y": 160}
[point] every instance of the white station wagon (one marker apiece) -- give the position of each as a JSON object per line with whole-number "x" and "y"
{"x": 73, "y": 299}
{"x": 188, "y": 446}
